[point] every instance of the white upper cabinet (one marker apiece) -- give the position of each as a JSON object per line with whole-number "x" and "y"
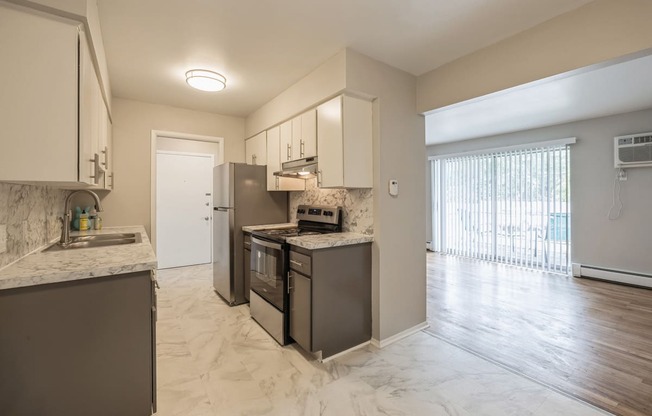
{"x": 256, "y": 149}
{"x": 286, "y": 141}
{"x": 298, "y": 137}
{"x": 275, "y": 183}
{"x": 304, "y": 135}
{"x": 344, "y": 128}
{"x": 89, "y": 121}
{"x": 108, "y": 178}
{"x": 50, "y": 102}
{"x": 38, "y": 103}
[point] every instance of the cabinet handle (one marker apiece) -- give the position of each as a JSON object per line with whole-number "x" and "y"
{"x": 106, "y": 156}
{"x": 301, "y": 148}
{"x": 289, "y": 151}
{"x": 289, "y": 277}
{"x": 296, "y": 263}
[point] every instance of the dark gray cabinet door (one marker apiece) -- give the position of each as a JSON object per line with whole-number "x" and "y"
{"x": 247, "y": 273}
{"x": 78, "y": 348}
{"x": 301, "y": 310}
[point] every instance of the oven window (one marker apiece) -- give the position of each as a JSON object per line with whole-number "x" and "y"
{"x": 267, "y": 273}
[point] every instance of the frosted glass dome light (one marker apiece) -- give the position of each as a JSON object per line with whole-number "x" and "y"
{"x": 205, "y": 80}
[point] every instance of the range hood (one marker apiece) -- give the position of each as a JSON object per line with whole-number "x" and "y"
{"x": 301, "y": 168}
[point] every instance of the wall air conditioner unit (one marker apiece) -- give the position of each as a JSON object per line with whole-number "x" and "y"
{"x": 634, "y": 151}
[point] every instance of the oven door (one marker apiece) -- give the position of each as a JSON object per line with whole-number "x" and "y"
{"x": 268, "y": 271}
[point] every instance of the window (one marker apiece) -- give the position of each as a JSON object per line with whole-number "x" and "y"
{"x": 509, "y": 206}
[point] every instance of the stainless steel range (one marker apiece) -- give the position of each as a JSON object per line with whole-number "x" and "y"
{"x": 270, "y": 266}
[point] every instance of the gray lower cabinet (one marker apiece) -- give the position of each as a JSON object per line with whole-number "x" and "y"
{"x": 83, "y": 347}
{"x": 300, "y": 310}
{"x": 247, "y": 265}
{"x": 330, "y": 298}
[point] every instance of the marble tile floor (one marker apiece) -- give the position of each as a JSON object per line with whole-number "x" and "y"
{"x": 215, "y": 360}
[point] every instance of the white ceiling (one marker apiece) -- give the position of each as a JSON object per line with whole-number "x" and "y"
{"x": 263, "y": 47}
{"x": 614, "y": 89}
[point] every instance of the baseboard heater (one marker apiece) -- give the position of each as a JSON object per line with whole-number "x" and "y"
{"x": 618, "y": 276}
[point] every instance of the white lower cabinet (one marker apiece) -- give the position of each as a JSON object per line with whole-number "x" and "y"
{"x": 344, "y": 143}
{"x": 275, "y": 183}
{"x": 51, "y": 106}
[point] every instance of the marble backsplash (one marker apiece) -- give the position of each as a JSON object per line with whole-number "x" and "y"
{"x": 30, "y": 215}
{"x": 356, "y": 203}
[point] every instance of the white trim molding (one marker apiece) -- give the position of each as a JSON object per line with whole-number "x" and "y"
{"x": 339, "y": 354}
{"x": 397, "y": 337}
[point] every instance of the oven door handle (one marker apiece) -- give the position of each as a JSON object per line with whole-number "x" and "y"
{"x": 267, "y": 244}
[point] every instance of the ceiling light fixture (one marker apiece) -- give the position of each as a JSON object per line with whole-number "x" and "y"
{"x": 205, "y": 80}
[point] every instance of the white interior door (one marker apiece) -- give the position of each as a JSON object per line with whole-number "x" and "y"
{"x": 184, "y": 184}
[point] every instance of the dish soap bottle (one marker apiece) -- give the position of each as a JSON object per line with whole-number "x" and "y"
{"x": 97, "y": 224}
{"x": 92, "y": 218}
{"x": 83, "y": 221}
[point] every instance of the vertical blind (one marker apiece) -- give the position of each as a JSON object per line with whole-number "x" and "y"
{"x": 509, "y": 206}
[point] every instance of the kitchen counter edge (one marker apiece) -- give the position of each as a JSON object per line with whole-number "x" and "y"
{"x": 316, "y": 242}
{"x": 250, "y": 228}
{"x": 39, "y": 268}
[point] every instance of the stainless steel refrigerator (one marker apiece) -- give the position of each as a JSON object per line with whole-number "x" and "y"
{"x": 240, "y": 198}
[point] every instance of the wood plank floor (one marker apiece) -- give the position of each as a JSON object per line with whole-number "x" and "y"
{"x": 590, "y": 339}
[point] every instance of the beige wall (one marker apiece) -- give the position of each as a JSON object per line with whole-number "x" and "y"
{"x": 600, "y": 31}
{"x": 623, "y": 244}
{"x": 399, "y": 274}
{"x": 324, "y": 82}
{"x": 399, "y": 285}
{"x": 133, "y": 122}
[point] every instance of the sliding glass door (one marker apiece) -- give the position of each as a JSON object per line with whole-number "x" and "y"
{"x": 511, "y": 207}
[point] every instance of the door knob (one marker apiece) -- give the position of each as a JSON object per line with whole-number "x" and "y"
{"x": 206, "y": 218}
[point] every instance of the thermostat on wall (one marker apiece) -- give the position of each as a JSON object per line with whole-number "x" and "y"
{"x": 393, "y": 187}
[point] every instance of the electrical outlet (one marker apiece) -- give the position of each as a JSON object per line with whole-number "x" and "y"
{"x": 622, "y": 175}
{"x": 3, "y": 238}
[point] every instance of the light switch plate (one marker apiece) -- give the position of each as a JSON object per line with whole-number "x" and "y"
{"x": 3, "y": 238}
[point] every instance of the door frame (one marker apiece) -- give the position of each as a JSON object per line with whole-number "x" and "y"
{"x": 153, "y": 142}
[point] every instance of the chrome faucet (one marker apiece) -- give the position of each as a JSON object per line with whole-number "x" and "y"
{"x": 67, "y": 215}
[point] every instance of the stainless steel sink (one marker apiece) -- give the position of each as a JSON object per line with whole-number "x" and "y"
{"x": 100, "y": 240}
{"x": 100, "y": 237}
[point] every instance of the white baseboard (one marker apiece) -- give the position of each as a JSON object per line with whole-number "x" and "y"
{"x": 339, "y": 354}
{"x": 403, "y": 334}
{"x": 618, "y": 276}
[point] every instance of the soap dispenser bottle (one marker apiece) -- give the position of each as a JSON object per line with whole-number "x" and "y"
{"x": 83, "y": 221}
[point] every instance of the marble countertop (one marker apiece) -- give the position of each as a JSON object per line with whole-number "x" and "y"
{"x": 41, "y": 267}
{"x": 250, "y": 228}
{"x": 315, "y": 242}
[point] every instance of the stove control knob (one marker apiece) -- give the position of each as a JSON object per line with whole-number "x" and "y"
{"x": 328, "y": 213}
